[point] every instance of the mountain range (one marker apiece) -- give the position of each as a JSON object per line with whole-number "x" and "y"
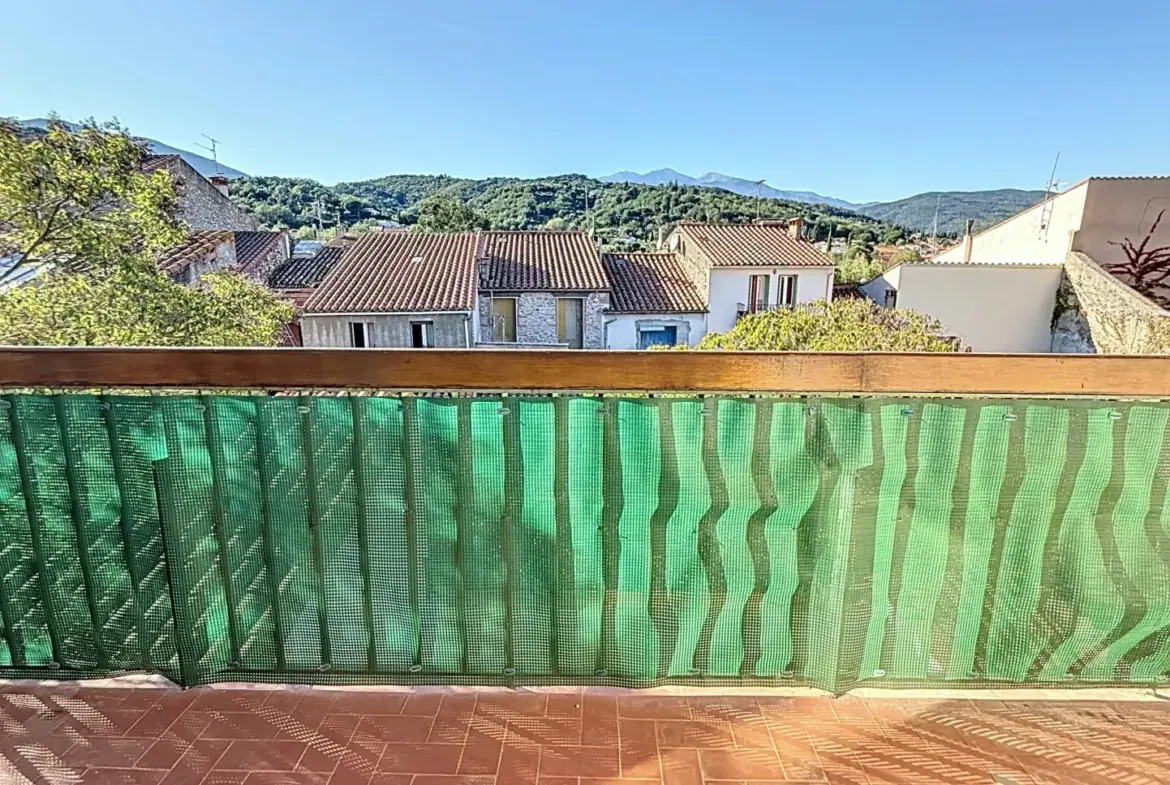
{"x": 914, "y": 212}
{"x": 727, "y": 183}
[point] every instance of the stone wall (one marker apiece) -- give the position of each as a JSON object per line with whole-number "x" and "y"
{"x": 201, "y": 204}
{"x": 536, "y": 318}
{"x": 1118, "y": 319}
{"x": 694, "y": 264}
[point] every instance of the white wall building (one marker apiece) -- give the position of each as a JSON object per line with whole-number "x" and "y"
{"x": 996, "y": 290}
{"x": 745, "y": 268}
{"x": 654, "y": 302}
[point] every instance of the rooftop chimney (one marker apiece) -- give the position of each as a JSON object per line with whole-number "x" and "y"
{"x": 968, "y": 241}
{"x": 221, "y": 183}
{"x": 796, "y": 228}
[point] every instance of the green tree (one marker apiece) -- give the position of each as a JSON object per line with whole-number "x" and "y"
{"x": 78, "y": 209}
{"x": 445, "y": 214}
{"x": 80, "y": 200}
{"x": 905, "y": 256}
{"x": 845, "y": 325}
{"x": 858, "y": 268}
{"x": 893, "y": 235}
{"x": 132, "y": 307}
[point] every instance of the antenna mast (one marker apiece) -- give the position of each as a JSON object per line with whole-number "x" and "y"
{"x": 212, "y": 148}
{"x": 1050, "y": 189}
{"x": 759, "y": 196}
{"x": 934, "y": 233}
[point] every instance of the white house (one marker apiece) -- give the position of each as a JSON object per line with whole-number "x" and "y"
{"x": 746, "y": 268}
{"x": 996, "y": 290}
{"x": 653, "y": 302}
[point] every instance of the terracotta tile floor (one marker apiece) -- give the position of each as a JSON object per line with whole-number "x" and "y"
{"x": 66, "y": 735}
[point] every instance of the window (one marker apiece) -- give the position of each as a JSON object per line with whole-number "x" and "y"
{"x": 504, "y": 320}
{"x": 422, "y": 335}
{"x": 569, "y": 322}
{"x": 786, "y": 286}
{"x": 757, "y": 293}
{"x": 891, "y": 298}
{"x": 657, "y": 336}
{"x": 359, "y": 335}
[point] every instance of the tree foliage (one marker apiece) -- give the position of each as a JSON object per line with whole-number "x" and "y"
{"x": 76, "y": 206}
{"x": 446, "y": 214}
{"x": 286, "y": 202}
{"x": 845, "y": 325}
{"x": 132, "y": 307}
{"x": 625, "y": 216}
{"x": 80, "y": 200}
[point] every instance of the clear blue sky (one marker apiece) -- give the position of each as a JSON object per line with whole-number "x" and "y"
{"x": 858, "y": 99}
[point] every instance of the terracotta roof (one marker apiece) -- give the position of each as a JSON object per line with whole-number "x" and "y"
{"x": 651, "y": 283}
{"x": 302, "y": 272}
{"x": 393, "y": 272}
{"x": 198, "y": 246}
{"x": 540, "y": 261}
{"x": 254, "y": 247}
{"x": 751, "y": 245}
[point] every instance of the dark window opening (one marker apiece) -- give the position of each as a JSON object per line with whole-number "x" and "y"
{"x": 357, "y": 335}
{"x": 422, "y": 335}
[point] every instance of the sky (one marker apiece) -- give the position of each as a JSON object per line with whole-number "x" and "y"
{"x": 863, "y": 100}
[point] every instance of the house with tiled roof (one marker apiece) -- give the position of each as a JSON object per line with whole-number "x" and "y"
{"x": 396, "y": 290}
{"x": 254, "y": 254}
{"x": 297, "y": 278}
{"x": 541, "y": 289}
{"x": 747, "y": 268}
{"x": 653, "y": 302}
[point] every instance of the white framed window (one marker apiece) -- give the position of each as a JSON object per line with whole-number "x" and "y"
{"x": 360, "y": 335}
{"x": 786, "y": 290}
{"x": 422, "y": 335}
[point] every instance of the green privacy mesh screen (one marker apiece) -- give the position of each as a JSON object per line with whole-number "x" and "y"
{"x": 585, "y": 540}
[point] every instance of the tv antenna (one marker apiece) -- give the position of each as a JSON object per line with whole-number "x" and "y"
{"x": 934, "y": 232}
{"x": 1051, "y": 188}
{"x": 212, "y": 148}
{"x": 759, "y": 196}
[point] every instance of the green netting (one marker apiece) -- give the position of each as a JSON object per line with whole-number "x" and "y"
{"x": 585, "y": 540}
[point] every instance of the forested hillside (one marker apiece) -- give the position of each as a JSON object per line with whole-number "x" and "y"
{"x": 624, "y": 215}
{"x": 954, "y": 208}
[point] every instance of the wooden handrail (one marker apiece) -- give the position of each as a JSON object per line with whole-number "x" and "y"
{"x": 482, "y": 369}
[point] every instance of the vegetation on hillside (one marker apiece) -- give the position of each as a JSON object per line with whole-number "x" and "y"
{"x": 844, "y": 325}
{"x": 954, "y": 208}
{"x": 78, "y": 211}
{"x": 623, "y": 215}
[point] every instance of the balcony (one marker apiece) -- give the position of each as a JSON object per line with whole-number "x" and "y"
{"x": 743, "y": 309}
{"x": 590, "y": 518}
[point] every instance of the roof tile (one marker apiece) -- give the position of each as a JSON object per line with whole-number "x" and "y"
{"x": 394, "y": 272}
{"x": 197, "y": 246}
{"x": 541, "y": 261}
{"x": 254, "y": 247}
{"x": 651, "y": 283}
{"x": 303, "y": 272}
{"x": 752, "y": 245}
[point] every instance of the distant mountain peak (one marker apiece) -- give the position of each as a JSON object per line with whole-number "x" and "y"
{"x": 727, "y": 183}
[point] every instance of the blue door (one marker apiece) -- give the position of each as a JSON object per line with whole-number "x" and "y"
{"x": 664, "y": 337}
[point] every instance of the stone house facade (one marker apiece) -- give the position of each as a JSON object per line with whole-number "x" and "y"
{"x": 541, "y": 289}
{"x": 203, "y": 204}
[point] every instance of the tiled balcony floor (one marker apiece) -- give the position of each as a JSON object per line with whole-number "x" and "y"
{"x": 66, "y": 735}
